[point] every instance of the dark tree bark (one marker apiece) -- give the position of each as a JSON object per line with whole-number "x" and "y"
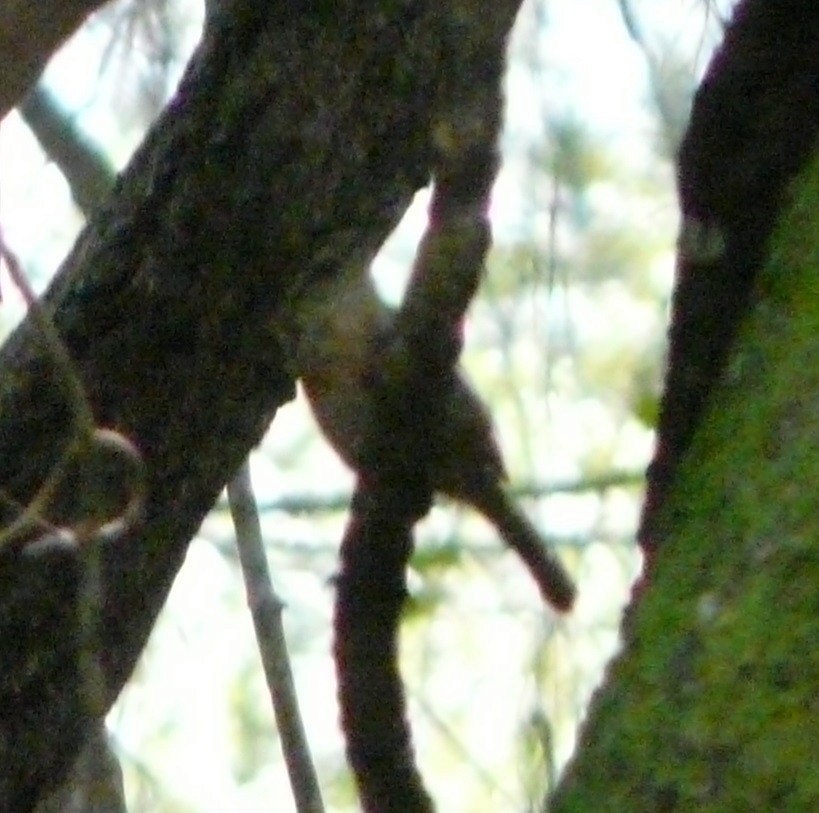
{"x": 94, "y": 784}
{"x": 754, "y": 124}
{"x": 295, "y": 142}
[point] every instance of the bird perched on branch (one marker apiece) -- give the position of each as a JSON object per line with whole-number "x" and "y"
{"x": 342, "y": 323}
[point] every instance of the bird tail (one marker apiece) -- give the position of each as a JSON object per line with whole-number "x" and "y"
{"x": 554, "y": 583}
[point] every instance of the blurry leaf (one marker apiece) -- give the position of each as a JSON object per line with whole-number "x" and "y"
{"x": 645, "y": 406}
{"x": 430, "y": 558}
{"x": 425, "y": 601}
{"x": 255, "y": 738}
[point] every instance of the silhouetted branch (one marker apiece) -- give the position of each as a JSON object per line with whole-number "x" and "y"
{"x": 89, "y": 175}
{"x": 29, "y": 34}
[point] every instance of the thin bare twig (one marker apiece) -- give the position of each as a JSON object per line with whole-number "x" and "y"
{"x": 529, "y": 490}
{"x": 266, "y": 609}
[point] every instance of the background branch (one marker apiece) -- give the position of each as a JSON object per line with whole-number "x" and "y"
{"x": 266, "y": 610}
{"x": 29, "y": 34}
{"x": 340, "y": 501}
{"x": 89, "y": 175}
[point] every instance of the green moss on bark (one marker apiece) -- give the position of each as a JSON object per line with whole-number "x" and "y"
{"x": 712, "y": 705}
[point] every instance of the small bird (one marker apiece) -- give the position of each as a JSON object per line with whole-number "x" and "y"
{"x": 340, "y": 320}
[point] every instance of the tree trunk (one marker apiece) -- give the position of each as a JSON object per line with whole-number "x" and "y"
{"x": 712, "y": 704}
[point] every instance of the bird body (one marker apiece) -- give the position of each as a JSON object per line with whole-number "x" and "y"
{"x": 342, "y": 320}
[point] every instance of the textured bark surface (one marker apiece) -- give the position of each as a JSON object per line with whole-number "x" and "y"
{"x": 95, "y": 783}
{"x": 712, "y": 704}
{"x": 754, "y": 125}
{"x": 293, "y": 145}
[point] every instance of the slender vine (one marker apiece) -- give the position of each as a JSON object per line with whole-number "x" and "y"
{"x": 86, "y": 442}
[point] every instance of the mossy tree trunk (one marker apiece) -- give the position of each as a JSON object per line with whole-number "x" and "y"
{"x": 713, "y": 704}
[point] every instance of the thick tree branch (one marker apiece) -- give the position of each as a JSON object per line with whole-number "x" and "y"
{"x": 30, "y": 32}
{"x": 95, "y": 784}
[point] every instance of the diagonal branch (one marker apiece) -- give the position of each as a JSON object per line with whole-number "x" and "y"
{"x": 89, "y": 175}
{"x": 29, "y": 34}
